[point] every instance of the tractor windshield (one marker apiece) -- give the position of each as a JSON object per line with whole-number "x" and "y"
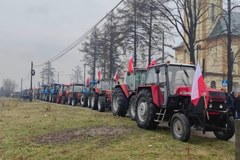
{"x": 77, "y": 88}
{"x": 180, "y": 76}
{"x": 106, "y": 85}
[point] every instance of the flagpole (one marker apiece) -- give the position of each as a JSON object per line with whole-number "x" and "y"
{"x": 205, "y": 112}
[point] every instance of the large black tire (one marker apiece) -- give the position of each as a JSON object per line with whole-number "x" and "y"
{"x": 119, "y": 103}
{"x": 74, "y": 102}
{"x": 132, "y": 107}
{"x": 94, "y": 101}
{"x": 50, "y": 98}
{"x": 146, "y": 110}
{"x": 63, "y": 100}
{"x": 89, "y": 102}
{"x": 101, "y": 104}
{"x": 230, "y": 130}
{"x": 69, "y": 101}
{"x": 84, "y": 100}
{"x": 180, "y": 127}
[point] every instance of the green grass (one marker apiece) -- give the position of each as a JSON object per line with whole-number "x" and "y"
{"x": 25, "y": 126}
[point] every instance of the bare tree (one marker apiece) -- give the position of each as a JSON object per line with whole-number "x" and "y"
{"x": 47, "y": 73}
{"x": 8, "y": 87}
{"x": 77, "y": 75}
{"x": 185, "y": 15}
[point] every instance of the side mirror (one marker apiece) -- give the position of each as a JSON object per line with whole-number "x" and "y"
{"x": 157, "y": 70}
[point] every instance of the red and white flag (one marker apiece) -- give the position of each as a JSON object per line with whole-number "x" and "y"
{"x": 116, "y": 77}
{"x": 99, "y": 75}
{"x": 130, "y": 65}
{"x": 88, "y": 81}
{"x": 199, "y": 87}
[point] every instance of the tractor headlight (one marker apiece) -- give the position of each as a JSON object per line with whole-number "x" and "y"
{"x": 221, "y": 106}
{"x": 210, "y": 105}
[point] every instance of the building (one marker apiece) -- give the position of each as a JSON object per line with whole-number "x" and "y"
{"x": 212, "y": 46}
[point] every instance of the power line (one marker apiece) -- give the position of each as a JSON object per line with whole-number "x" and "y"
{"x": 80, "y": 39}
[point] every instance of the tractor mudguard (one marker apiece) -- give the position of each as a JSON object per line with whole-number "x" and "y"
{"x": 97, "y": 90}
{"x": 125, "y": 89}
{"x": 157, "y": 96}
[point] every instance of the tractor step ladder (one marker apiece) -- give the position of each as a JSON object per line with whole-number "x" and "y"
{"x": 161, "y": 115}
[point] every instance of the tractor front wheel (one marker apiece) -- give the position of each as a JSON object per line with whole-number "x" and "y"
{"x": 132, "y": 107}
{"x": 84, "y": 100}
{"x": 101, "y": 104}
{"x": 119, "y": 103}
{"x": 146, "y": 110}
{"x": 229, "y": 132}
{"x": 74, "y": 102}
{"x": 180, "y": 127}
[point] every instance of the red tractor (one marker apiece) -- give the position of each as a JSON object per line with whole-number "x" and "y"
{"x": 166, "y": 96}
{"x": 62, "y": 94}
{"x": 124, "y": 97}
{"x": 104, "y": 90}
{"x": 74, "y": 94}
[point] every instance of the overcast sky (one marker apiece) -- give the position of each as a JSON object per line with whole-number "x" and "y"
{"x": 37, "y": 30}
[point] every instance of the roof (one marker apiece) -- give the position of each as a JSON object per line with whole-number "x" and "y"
{"x": 220, "y": 27}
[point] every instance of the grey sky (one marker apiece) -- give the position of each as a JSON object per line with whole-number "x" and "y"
{"x": 37, "y": 30}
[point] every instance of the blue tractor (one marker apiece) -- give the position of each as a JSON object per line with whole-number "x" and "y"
{"x": 53, "y": 91}
{"x": 87, "y": 92}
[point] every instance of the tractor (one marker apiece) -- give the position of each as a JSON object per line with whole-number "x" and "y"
{"x": 166, "y": 96}
{"x": 54, "y": 89}
{"x": 104, "y": 90}
{"x": 124, "y": 97}
{"x": 74, "y": 94}
{"x": 42, "y": 89}
{"x": 62, "y": 94}
{"x": 89, "y": 96}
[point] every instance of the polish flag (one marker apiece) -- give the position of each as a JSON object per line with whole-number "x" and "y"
{"x": 99, "y": 75}
{"x": 198, "y": 87}
{"x": 116, "y": 77}
{"x": 130, "y": 65}
{"x": 88, "y": 81}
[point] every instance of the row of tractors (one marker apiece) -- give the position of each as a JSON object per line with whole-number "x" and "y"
{"x": 160, "y": 93}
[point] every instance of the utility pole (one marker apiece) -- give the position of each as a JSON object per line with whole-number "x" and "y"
{"x": 48, "y": 72}
{"x": 135, "y": 34}
{"x": 84, "y": 74}
{"x": 150, "y": 34}
{"x": 163, "y": 46}
{"x": 229, "y": 48}
{"x": 95, "y": 54}
{"x": 31, "y": 90}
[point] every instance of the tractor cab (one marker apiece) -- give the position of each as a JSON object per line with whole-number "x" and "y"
{"x": 104, "y": 91}
{"x": 133, "y": 80}
{"x": 106, "y": 84}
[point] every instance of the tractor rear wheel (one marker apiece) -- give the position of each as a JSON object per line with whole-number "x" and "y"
{"x": 101, "y": 104}
{"x": 230, "y": 130}
{"x": 146, "y": 110}
{"x": 132, "y": 107}
{"x": 94, "y": 101}
{"x": 119, "y": 103}
{"x": 84, "y": 100}
{"x": 180, "y": 127}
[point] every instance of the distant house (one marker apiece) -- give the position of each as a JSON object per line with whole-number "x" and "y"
{"x": 213, "y": 47}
